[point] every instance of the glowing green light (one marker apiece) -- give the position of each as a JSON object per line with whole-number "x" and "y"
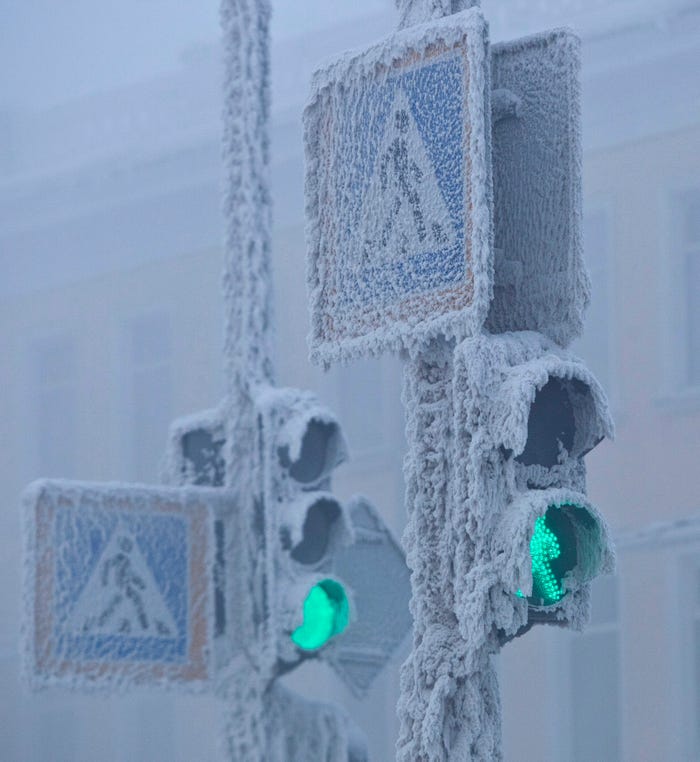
{"x": 326, "y": 614}
{"x": 553, "y": 555}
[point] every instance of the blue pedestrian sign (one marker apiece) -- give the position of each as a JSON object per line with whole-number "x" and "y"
{"x": 399, "y": 190}
{"x": 120, "y": 587}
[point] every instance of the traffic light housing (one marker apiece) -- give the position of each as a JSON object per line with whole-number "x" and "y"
{"x": 529, "y": 540}
{"x": 195, "y": 449}
{"x": 301, "y": 444}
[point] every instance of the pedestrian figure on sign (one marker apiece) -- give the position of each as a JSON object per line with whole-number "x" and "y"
{"x": 404, "y": 212}
{"x": 406, "y": 175}
{"x": 128, "y": 585}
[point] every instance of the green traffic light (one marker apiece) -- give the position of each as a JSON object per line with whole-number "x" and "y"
{"x": 553, "y": 555}
{"x": 326, "y": 614}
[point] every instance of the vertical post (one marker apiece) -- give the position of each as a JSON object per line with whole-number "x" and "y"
{"x": 449, "y": 707}
{"x": 418, "y": 11}
{"x": 247, "y": 286}
{"x": 247, "y": 277}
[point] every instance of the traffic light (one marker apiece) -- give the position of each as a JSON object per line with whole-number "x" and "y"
{"x": 195, "y": 450}
{"x": 526, "y": 414}
{"x": 301, "y": 444}
{"x": 359, "y": 589}
{"x": 328, "y": 579}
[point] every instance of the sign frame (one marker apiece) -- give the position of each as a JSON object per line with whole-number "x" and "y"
{"x": 345, "y": 322}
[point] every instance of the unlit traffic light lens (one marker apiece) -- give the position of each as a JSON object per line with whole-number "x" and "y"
{"x": 553, "y": 555}
{"x": 326, "y": 614}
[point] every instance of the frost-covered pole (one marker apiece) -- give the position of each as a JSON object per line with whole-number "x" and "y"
{"x": 247, "y": 286}
{"x": 449, "y": 706}
{"x": 247, "y": 207}
{"x": 418, "y": 11}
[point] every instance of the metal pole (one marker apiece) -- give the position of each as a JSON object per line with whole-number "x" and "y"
{"x": 247, "y": 286}
{"x": 418, "y": 11}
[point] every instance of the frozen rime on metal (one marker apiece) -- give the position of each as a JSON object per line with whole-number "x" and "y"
{"x": 540, "y": 279}
{"x": 443, "y": 196}
{"x": 194, "y": 449}
{"x": 247, "y": 204}
{"x": 467, "y": 558}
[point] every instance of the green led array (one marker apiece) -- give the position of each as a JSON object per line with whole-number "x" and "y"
{"x": 553, "y": 555}
{"x": 326, "y": 614}
{"x": 544, "y": 548}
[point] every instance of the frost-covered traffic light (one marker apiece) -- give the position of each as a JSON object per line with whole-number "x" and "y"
{"x": 331, "y": 575}
{"x": 527, "y": 412}
{"x": 301, "y": 443}
{"x": 308, "y": 577}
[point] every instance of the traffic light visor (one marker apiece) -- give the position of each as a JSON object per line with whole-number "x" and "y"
{"x": 311, "y": 447}
{"x": 548, "y": 409}
{"x": 312, "y": 527}
{"x": 326, "y": 614}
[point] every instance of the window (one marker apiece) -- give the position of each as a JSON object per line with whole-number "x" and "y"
{"x": 689, "y": 239}
{"x": 595, "y": 345}
{"x": 595, "y": 679}
{"x": 151, "y": 393}
{"x": 54, "y": 374}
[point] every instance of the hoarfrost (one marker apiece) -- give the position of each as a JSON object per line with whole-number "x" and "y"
{"x": 247, "y": 287}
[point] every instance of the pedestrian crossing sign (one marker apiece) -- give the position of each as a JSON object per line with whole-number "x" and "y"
{"x": 119, "y": 584}
{"x": 399, "y": 191}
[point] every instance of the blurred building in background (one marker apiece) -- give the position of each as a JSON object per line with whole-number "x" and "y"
{"x": 111, "y": 324}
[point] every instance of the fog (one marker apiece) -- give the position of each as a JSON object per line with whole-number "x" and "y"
{"x": 111, "y": 325}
